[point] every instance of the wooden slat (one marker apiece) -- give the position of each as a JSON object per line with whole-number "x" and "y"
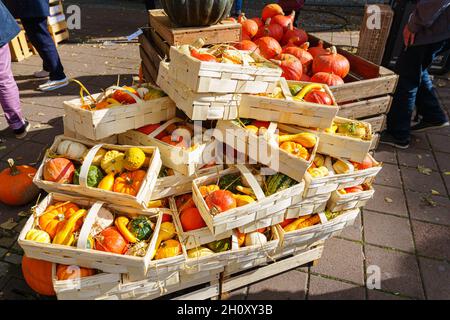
{"x": 220, "y": 33}
{"x": 151, "y": 51}
{"x": 377, "y": 123}
{"x": 365, "y": 108}
{"x": 160, "y": 44}
{"x": 150, "y": 72}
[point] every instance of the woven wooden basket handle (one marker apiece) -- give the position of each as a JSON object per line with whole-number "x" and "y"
{"x": 163, "y": 127}
{"x": 135, "y": 97}
{"x": 87, "y": 163}
{"x": 285, "y": 88}
{"x": 87, "y": 224}
{"x": 250, "y": 178}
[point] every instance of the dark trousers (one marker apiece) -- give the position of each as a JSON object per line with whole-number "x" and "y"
{"x": 150, "y": 4}
{"x": 37, "y": 31}
{"x": 415, "y": 89}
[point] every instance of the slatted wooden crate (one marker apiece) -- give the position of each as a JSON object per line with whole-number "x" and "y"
{"x": 198, "y": 106}
{"x": 57, "y": 25}
{"x": 100, "y": 124}
{"x": 150, "y": 56}
{"x": 348, "y": 201}
{"x": 308, "y": 205}
{"x": 80, "y": 255}
{"x": 20, "y": 48}
{"x": 140, "y": 200}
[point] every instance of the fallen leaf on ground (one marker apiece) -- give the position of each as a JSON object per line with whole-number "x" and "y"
{"x": 424, "y": 170}
{"x": 9, "y": 224}
{"x": 447, "y": 173}
{"x": 429, "y": 201}
{"x": 37, "y": 126}
{"x": 434, "y": 192}
{"x": 2, "y": 148}
{"x": 419, "y": 156}
{"x": 388, "y": 200}
{"x": 23, "y": 214}
{"x": 41, "y": 114}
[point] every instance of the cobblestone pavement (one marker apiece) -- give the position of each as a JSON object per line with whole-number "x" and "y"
{"x": 404, "y": 230}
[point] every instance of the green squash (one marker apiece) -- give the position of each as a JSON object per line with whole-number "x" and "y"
{"x": 230, "y": 182}
{"x": 95, "y": 175}
{"x": 278, "y": 182}
{"x": 141, "y": 228}
{"x": 220, "y": 245}
{"x": 196, "y": 13}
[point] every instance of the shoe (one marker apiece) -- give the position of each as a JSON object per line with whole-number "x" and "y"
{"x": 41, "y": 74}
{"x": 387, "y": 138}
{"x": 423, "y": 126}
{"x": 22, "y": 132}
{"x": 53, "y": 84}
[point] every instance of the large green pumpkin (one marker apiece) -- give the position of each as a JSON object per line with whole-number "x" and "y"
{"x": 196, "y": 13}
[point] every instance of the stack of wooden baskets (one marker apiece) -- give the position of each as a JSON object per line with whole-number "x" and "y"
{"x": 328, "y": 184}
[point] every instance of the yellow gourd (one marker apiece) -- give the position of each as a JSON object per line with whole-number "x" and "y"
{"x": 107, "y": 182}
{"x": 133, "y": 159}
{"x": 65, "y": 235}
{"x": 98, "y": 157}
{"x": 166, "y": 232}
{"x": 38, "y": 236}
{"x": 306, "y": 139}
{"x": 121, "y": 224}
{"x": 112, "y": 161}
{"x": 205, "y": 190}
{"x": 242, "y": 200}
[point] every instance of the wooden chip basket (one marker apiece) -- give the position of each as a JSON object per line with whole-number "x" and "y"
{"x": 100, "y": 124}
{"x": 213, "y": 77}
{"x": 185, "y": 161}
{"x": 314, "y": 204}
{"x": 241, "y": 216}
{"x": 288, "y": 110}
{"x": 194, "y": 238}
{"x": 198, "y": 106}
{"x": 180, "y": 184}
{"x": 89, "y": 258}
{"x": 289, "y": 241}
{"x": 139, "y": 201}
{"x": 316, "y": 186}
{"x": 264, "y": 148}
{"x": 339, "y": 202}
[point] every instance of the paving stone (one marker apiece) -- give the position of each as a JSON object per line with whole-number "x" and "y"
{"x": 353, "y": 232}
{"x": 439, "y": 142}
{"x": 399, "y": 271}
{"x": 436, "y": 278}
{"x": 386, "y": 154}
{"x": 4, "y": 274}
{"x": 419, "y": 141}
{"x": 239, "y": 294}
{"x": 13, "y": 258}
{"x": 321, "y": 288}
{"x": 432, "y": 240}
{"x": 416, "y": 181}
{"x": 290, "y": 285}
{"x": 388, "y": 231}
{"x": 421, "y": 209}
{"x": 17, "y": 289}
{"x": 7, "y": 242}
{"x": 442, "y": 131}
{"x": 380, "y": 295}
{"x": 342, "y": 259}
{"x": 41, "y": 113}
{"x": 29, "y": 152}
{"x": 2, "y": 252}
{"x": 8, "y": 146}
{"x": 17, "y": 248}
{"x": 379, "y": 203}
{"x": 389, "y": 176}
{"x": 416, "y": 157}
{"x": 443, "y": 160}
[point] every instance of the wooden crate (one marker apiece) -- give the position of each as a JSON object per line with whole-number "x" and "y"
{"x": 365, "y": 108}
{"x": 220, "y": 33}
{"x": 80, "y": 255}
{"x": 20, "y": 48}
{"x": 57, "y": 25}
{"x": 372, "y": 41}
{"x": 198, "y": 106}
{"x": 100, "y": 124}
{"x": 139, "y": 201}
{"x": 308, "y": 205}
{"x": 150, "y": 56}
{"x": 339, "y": 202}
{"x": 207, "y": 77}
{"x": 288, "y": 110}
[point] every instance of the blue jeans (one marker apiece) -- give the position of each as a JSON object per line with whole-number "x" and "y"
{"x": 415, "y": 89}
{"x": 237, "y": 7}
{"x": 37, "y": 31}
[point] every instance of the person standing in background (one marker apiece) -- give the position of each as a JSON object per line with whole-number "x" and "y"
{"x": 426, "y": 34}
{"x": 150, "y": 4}
{"x": 237, "y": 8}
{"x": 9, "y": 93}
{"x": 33, "y": 15}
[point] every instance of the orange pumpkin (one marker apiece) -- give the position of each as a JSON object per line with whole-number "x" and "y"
{"x": 129, "y": 182}
{"x": 55, "y": 215}
{"x": 64, "y": 272}
{"x": 124, "y": 97}
{"x": 59, "y": 170}
{"x": 111, "y": 240}
{"x": 38, "y": 275}
{"x": 17, "y": 187}
{"x": 295, "y": 149}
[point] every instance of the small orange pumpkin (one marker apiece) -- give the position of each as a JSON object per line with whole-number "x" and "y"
{"x": 295, "y": 149}
{"x": 38, "y": 275}
{"x": 64, "y": 272}
{"x": 17, "y": 187}
{"x": 129, "y": 182}
{"x": 55, "y": 215}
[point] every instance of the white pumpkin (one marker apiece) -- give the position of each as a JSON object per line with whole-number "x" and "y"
{"x": 103, "y": 220}
{"x": 71, "y": 149}
{"x": 255, "y": 238}
{"x": 142, "y": 92}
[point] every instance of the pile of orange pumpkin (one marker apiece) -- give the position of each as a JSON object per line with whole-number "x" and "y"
{"x": 110, "y": 170}
{"x": 275, "y": 38}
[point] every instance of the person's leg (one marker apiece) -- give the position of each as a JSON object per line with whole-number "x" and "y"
{"x": 237, "y": 7}
{"x": 150, "y": 4}
{"x": 9, "y": 95}
{"x": 40, "y": 38}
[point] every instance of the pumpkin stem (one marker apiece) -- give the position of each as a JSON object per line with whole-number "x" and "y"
{"x": 305, "y": 46}
{"x": 333, "y": 50}
{"x": 12, "y": 166}
{"x": 242, "y": 17}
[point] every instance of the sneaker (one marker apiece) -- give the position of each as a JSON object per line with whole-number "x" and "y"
{"x": 423, "y": 126}
{"x": 22, "y": 132}
{"x": 387, "y": 138}
{"x": 41, "y": 74}
{"x": 52, "y": 85}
